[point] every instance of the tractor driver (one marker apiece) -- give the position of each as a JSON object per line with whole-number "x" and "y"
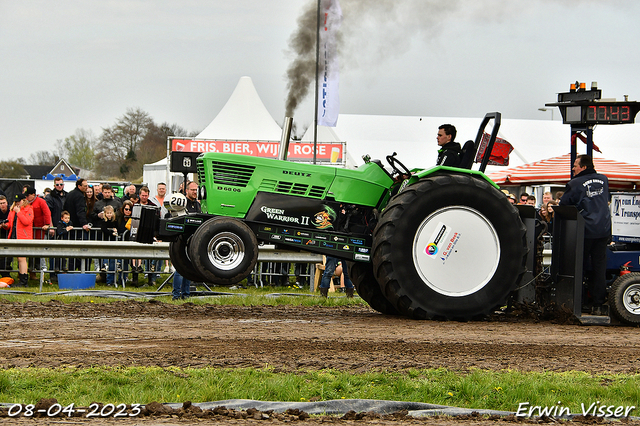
{"x": 450, "y": 152}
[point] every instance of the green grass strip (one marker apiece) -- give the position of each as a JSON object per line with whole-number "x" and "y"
{"x": 251, "y": 296}
{"x": 501, "y": 390}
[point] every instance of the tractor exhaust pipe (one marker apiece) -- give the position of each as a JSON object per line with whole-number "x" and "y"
{"x": 286, "y": 137}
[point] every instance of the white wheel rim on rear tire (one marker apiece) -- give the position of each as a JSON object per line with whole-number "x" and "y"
{"x": 465, "y": 256}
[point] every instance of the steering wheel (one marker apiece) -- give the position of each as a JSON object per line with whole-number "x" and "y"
{"x": 397, "y": 168}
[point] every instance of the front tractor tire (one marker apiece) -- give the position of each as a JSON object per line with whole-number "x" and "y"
{"x": 224, "y": 250}
{"x": 178, "y": 252}
{"x": 624, "y": 298}
{"x": 450, "y": 247}
{"x": 368, "y": 289}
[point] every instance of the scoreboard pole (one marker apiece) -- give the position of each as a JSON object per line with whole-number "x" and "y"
{"x": 576, "y": 130}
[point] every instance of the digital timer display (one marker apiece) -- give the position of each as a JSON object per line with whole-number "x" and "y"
{"x": 587, "y": 107}
{"x": 593, "y": 113}
{"x": 609, "y": 113}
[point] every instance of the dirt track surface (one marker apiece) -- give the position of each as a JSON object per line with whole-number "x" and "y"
{"x": 287, "y": 338}
{"x": 290, "y": 338}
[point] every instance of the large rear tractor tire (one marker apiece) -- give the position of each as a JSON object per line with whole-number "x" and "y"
{"x": 449, "y": 246}
{"x": 624, "y": 298}
{"x": 224, "y": 250}
{"x": 368, "y": 289}
{"x": 178, "y": 252}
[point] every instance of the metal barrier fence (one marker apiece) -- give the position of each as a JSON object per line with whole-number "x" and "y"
{"x": 125, "y": 251}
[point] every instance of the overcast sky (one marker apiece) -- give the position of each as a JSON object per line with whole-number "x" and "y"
{"x": 72, "y": 64}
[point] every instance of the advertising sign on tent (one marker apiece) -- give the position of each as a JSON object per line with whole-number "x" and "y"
{"x": 298, "y": 151}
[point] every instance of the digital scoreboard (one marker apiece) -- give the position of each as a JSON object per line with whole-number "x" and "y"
{"x": 580, "y": 106}
{"x": 599, "y": 112}
{"x": 614, "y": 113}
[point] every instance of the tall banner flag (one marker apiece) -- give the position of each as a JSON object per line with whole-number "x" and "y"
{"x": 328, "y": 97}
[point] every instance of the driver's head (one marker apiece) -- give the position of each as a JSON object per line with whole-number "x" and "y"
{"x": 446, "y": 134}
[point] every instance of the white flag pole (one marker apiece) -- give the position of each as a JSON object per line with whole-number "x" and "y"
{"x": 315, "y": 115}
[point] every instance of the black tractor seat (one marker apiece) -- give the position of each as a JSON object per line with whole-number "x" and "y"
{"x": 468, "y": 155}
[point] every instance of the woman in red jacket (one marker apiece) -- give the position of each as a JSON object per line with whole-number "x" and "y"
{"x": 21, "y": 223}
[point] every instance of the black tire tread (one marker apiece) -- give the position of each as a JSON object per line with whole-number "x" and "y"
{"x": 368, "y": 289}
{"x": 181, "y": 262}
{"x": 200, "y": 239}
{"x": 395, "y": 213}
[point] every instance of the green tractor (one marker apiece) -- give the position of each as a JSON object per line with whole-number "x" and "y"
{"x": 438, "y": 243}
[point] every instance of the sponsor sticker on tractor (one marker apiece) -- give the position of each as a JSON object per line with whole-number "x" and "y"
{"x": 442, "y": 243}
{"x": 439, "y": 235}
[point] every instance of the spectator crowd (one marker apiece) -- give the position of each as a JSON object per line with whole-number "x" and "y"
{"x": 95, "y": 212}
{"x": 88, "y": 212}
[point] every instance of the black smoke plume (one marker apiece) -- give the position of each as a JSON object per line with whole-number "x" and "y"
{"x": 302, "y": 71}
{"x": 373, "y": 31}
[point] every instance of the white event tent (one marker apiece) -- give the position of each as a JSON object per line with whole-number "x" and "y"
{"x": 243, "y": 118}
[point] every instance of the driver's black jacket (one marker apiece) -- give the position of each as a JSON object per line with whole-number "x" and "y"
{"x": 450, "y": 155}
{"x": 193, "y": 206}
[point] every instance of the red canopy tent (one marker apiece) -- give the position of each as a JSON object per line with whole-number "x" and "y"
{"x": 558, "y": 170}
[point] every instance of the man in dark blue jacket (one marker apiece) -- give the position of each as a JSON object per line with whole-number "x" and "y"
{"x": 76, "y": 204}
{"x": 589, "y": 192}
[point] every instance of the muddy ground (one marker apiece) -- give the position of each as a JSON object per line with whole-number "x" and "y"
{"x": 288, "y": 338}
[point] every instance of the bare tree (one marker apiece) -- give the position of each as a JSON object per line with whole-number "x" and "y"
{"x": 152, "y": 148}
{"x": 133, "y": 141}
{"x": 124, "y": 137}
{"x": 175, "y": 130}
{"x": 43, "y": 158}
{"x": 119, "y": 144}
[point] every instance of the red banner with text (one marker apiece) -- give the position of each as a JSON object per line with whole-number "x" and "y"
{"x": 298, "y": 151}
